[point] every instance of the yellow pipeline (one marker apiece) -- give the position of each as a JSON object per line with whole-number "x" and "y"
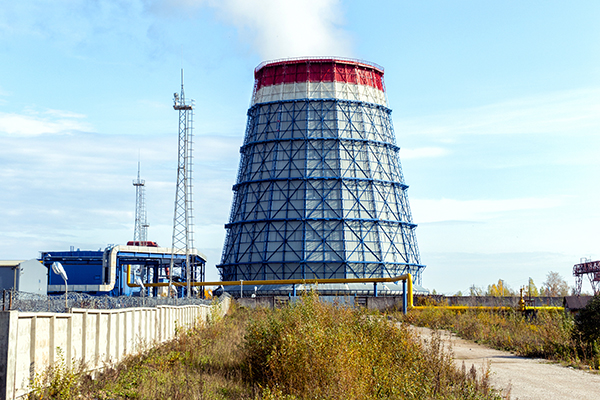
{"x": 405, "y": 277}
{"x": 464, "y": 308}
{"x": 520, "y": 307}
{"x": 492, "y": 308}
{"x": 129, "y": 277}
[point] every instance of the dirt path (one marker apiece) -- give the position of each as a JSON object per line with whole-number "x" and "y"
{"x": 527, "y": 379}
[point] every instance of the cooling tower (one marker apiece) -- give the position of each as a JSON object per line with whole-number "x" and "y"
{"x": 320, "y": 191}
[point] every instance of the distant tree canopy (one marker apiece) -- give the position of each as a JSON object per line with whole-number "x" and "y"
{"x": 499, "y": 289}
{"x": 531, "y": 289}
{"x": 554, "y": 286}
{"x": 476, "y": 291}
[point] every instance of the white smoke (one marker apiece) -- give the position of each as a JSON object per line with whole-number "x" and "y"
{"x": 285, "y": 28}
{"x": 274, "y": 28}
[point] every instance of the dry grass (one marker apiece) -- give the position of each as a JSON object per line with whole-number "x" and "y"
{"x": 203, "y": 363}
{"x": 549, "y": 335}
{"x": 308, "y": 350}
{"x": 313, "y": 350}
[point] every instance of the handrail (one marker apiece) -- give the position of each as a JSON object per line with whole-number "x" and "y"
{"x": 318, "y": 58}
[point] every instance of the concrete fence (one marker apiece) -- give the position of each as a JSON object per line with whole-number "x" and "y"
{"x": 386, "y": 303}
{"x": 93, "y": 339}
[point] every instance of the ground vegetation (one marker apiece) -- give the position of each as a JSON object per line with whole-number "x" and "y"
{"x": 587, "y": 328}
{"x": 307, "y": 350}
{"x": 548, "y": 334}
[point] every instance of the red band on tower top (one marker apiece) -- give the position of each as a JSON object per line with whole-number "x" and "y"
{"x": 319, "y": 70}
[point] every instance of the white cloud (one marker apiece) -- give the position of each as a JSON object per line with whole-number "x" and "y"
{"x": 422, "y": 152}
{"x": 274, "y": 28}
{"x": 50, "y": 122}
{"x": 285, "y": 28}
{"x": 565, "y": 112}
{"x": 71, "y": 22}
{"x": 62, "y": 190}
{"x": 427, "y": 210}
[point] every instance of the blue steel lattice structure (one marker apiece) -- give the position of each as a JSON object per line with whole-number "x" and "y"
{"x": 320, "y": 191}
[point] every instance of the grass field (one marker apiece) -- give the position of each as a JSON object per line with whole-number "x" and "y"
{"x": 307, "y": 350}
{"x": 549, "y": 335}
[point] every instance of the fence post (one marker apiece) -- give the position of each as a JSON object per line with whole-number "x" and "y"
{"x": 8, "y": 353}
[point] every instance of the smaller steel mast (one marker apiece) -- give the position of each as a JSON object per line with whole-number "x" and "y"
{"x": 183, "y": 238}
{"x": 140, "y": 230}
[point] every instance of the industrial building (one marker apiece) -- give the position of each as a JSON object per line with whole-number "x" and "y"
{"x": 27, "y": 276}
{"x": 114, "y": 270}
{"x": 320, "y": 191}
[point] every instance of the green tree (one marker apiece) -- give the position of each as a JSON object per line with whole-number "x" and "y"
{"x": 555, "y": 285}
{"x": 531, "y": 289}
{"x": 587, "y": 322}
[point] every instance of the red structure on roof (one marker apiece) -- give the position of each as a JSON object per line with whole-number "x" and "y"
{"x": 146, "y": 243}
{"x": 319, "y": 78}
{"x": 319, "y": 70}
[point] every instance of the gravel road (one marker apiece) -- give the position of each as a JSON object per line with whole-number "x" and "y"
{"x": 523, "y": 378}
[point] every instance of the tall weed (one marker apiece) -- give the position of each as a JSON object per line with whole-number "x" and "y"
{"x": 314, "y": 350}
{"x": 307, "y": 350}
{"x": 202, "y": 363}
{"x": 58, "y": 382}
{"x": 549, "y": 335}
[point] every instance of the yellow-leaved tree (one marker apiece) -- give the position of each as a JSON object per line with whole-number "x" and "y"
{"x": 499, "y": 289}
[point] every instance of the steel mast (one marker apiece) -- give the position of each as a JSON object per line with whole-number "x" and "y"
{"x": 183, "y": 237}
{"x": 140, "y": 230}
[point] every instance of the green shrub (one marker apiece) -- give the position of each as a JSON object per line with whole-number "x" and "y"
{"x": 587, "y": 332}
{"x": 587, "y": 321}
{"x": 314, "y": 350}
{"x": 57, "y": 382}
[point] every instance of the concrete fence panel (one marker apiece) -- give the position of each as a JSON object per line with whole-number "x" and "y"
{"x": 32, "y": 342}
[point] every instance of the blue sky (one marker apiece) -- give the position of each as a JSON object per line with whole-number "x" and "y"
{"x": 496, "y": 106}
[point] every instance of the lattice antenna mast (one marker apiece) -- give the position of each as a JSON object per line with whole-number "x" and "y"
{"x": 183, "y": 216}
{"x": 140, "y": 230}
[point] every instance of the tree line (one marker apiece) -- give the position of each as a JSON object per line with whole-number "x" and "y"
{"x": 554, "y": 286}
